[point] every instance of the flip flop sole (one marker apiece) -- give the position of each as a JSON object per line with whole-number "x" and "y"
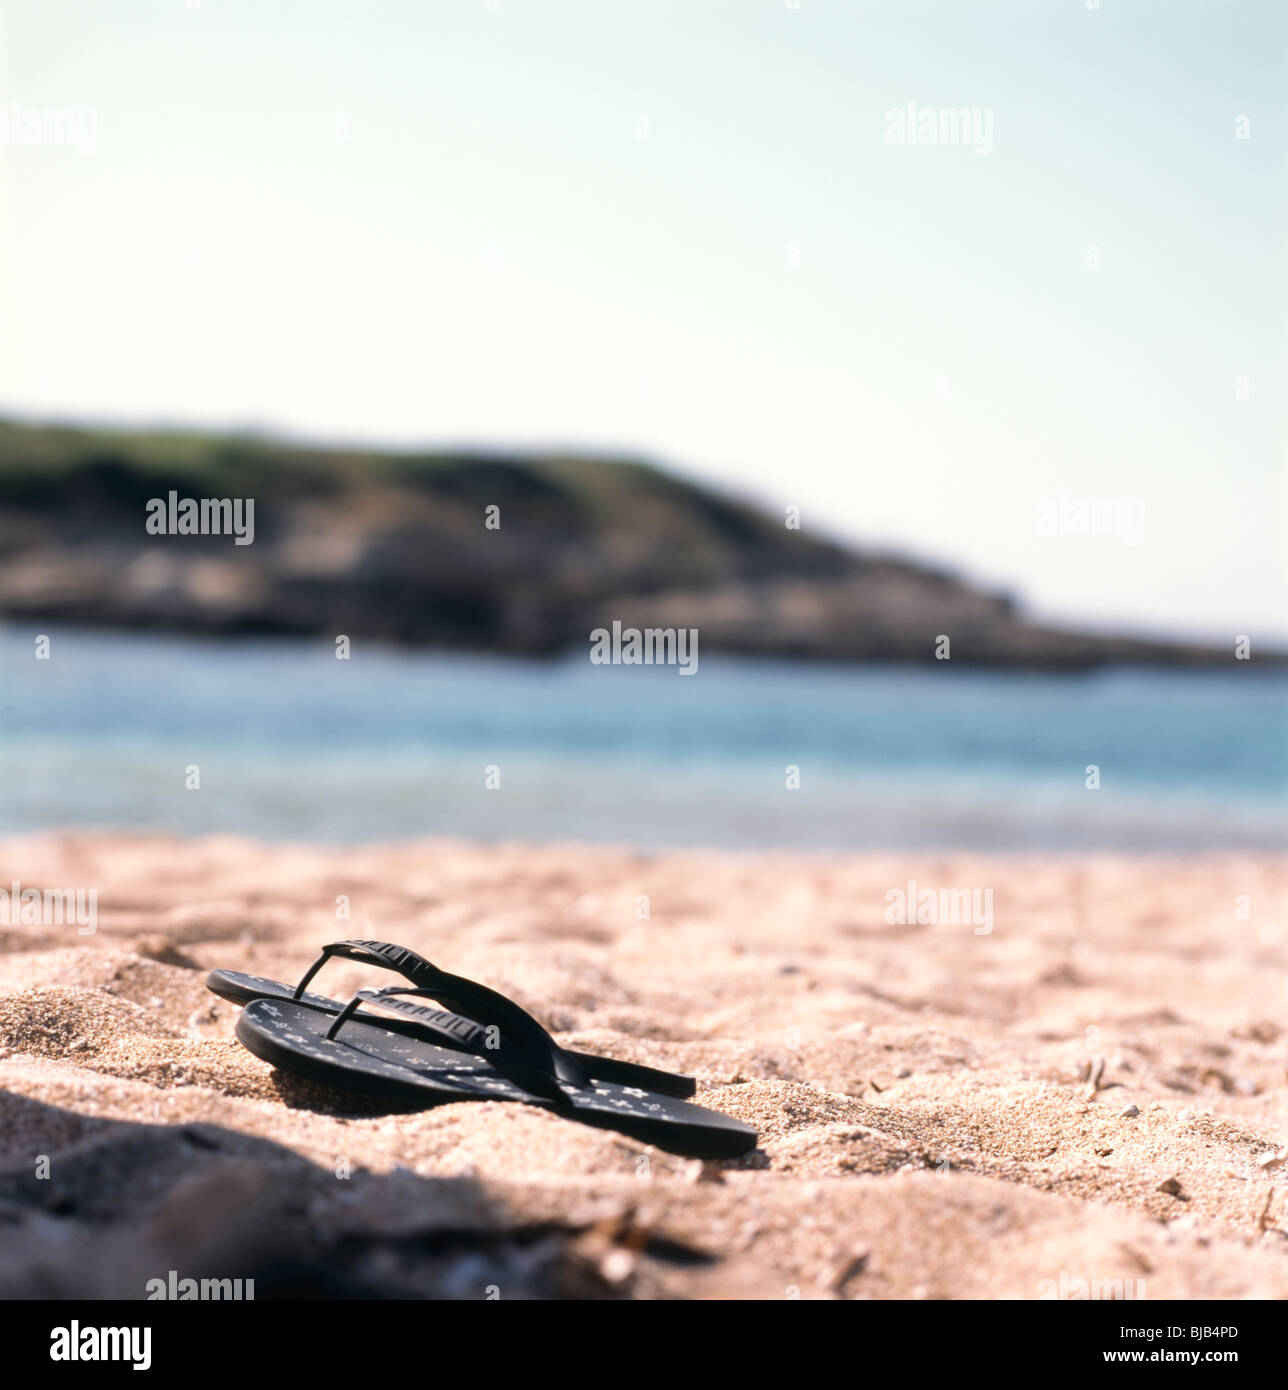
{"x": 242, "y": 989}
{"x": 245, "y": 989}
{"x": 369, "y": 1059}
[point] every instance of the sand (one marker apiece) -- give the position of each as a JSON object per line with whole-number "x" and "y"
{"x": 930, "y": 1127}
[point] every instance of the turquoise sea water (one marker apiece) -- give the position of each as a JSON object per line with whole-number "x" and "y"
{"x": 293, "y": 744}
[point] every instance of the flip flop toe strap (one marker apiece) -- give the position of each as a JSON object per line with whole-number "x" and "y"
{"x": 412, "y": 967}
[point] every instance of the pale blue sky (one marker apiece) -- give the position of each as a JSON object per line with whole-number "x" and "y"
{"x": 437, "y": 222}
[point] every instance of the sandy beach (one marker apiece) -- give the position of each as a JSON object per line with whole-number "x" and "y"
{"x": 1089, "y": 1098}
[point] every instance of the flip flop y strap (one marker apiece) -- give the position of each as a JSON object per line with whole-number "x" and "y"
{"x": 457, "y": 1031}
{"x": 482, "y": 1006}
{"x": 471, "y": 1036}
{"x": 508, "y": 1036}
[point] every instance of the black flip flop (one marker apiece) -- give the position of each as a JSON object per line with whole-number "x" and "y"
{"x": 445, "y": 1029}
{"x": 522, "y": 1063}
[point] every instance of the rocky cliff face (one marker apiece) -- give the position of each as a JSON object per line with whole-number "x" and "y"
{"x": 399, "y": 547}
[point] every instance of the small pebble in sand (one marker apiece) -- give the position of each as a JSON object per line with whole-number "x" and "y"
{"x": 1170, "y": 1186}
{"x": 617, "y": 1266}
{"x": 1269, "y": 1161}
{"x": 1129, "y": 1112}
{"x": 849, "y": 1268}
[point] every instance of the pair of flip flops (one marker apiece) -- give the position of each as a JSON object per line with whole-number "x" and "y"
{"x": 481, "y": 1046}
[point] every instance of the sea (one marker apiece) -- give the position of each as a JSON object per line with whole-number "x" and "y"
{"x": 277, "y": 738}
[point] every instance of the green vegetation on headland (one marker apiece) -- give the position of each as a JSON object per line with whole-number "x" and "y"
{"x": 501, "y": 552}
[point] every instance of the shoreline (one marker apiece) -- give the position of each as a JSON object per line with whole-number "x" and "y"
{"x": 929, "y": 1128}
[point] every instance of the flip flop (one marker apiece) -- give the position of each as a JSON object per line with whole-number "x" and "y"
{"x": 523, "y": 1063}
{"x": 445, "y": 1029}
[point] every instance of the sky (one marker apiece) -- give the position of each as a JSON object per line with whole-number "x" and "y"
{"x": 1049, "y": 349}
